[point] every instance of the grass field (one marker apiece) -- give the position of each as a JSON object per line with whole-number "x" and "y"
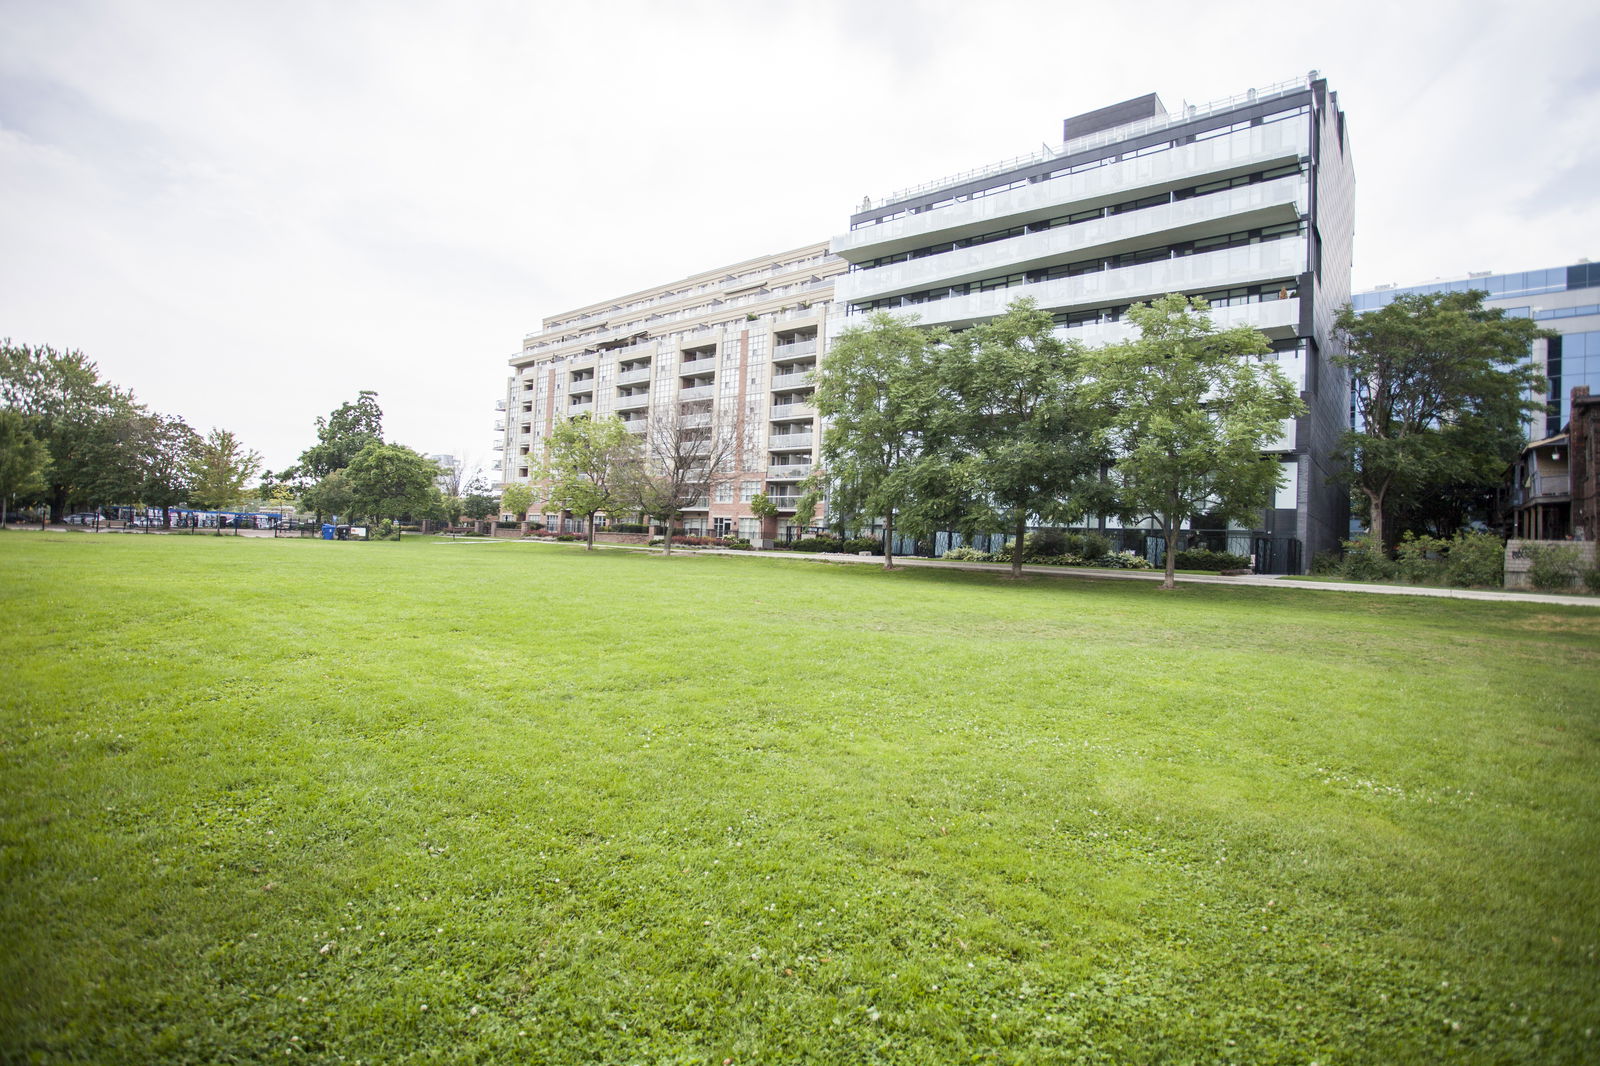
{"x": 484, "y": 803}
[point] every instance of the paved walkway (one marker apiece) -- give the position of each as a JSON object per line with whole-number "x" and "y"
{"x": 1258, "y": 580}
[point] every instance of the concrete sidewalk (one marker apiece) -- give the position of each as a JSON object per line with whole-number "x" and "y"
{"x": 1256, "y": 580}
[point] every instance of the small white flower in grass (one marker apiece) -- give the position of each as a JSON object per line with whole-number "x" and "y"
{"x": 424, "y": 1006}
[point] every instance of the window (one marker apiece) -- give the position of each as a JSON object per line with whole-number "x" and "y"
{"x": 724, "y": 492}
{"x": 748, "y": 490}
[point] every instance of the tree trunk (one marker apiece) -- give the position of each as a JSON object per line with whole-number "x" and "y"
{"x": 888, "y": 540}
{"x": 1169, "y": 526}
{"x": 589, "y": 544}
{"x": 1377, "y": 527}
{"x": 1017, "y": 548}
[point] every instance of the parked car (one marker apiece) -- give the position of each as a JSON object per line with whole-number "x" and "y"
{"x": 85, "y": 519}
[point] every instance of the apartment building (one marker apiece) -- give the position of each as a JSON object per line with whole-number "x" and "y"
{"x": 726, "y": 353}
{"x": 1246, "y": 201}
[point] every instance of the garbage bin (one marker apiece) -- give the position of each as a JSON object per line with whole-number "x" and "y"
{"x": 327, "y": 531}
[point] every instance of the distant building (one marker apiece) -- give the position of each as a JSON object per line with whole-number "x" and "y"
{"x": 1555, "y": 482}
{"x": 1563, "y": 299}
{"x": 728, "y": 349}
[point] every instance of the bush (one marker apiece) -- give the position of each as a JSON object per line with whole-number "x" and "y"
{"x": 1085, "y": 545}
{"x": 738, "y": 544}
{"x": 1201, "y": 559}
{"x": 857, "y": 545}
{"x": 628, "y": 527}
{"x": 1552, "y": 566}
{"x": 386, "y": 530}
{"x": 1045, "y": 544}
{"x": 967, "y": 554}
{"x": 1124, "y": 560}
{"x": 1476, "y": 559}
{"x": 1591, "y": 579}
{"x": 1326, "y": 564}
{"x": 1420, "y": 559}
{"x": 1365, "y": 561}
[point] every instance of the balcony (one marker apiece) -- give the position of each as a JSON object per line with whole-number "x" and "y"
{"x": 794, "y": 350}
{"x": 499, "y": 445}
{"x": 703, "y": 362}
{"x": 631, "y": 403}
{"x": 790, "y": 442}
{"x": 699, "y": 392}
{"x": 1278, "y": 319}
{"x": 1234, "y": 210}
{"x": 694, "y": 421}
{"x": 1229, "y": 268}
{"x": 800, "y": 379}
{"x": 630, "y": 376}
{"x": 636, "y": 425}
{"x": 1256, "y": 148}
{"x": 788, "y": 472}
{"x": 1548, "y": 486}
{"x": 499, "y": 405}
{"x": 793, "y": 410}
{"x": 500, "y": 426}
{"x": 584, "y": 408}
{"x": 784, "y": 502}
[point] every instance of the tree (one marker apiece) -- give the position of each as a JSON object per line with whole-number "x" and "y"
{"x": 332, "y": 496}
{"x": 879, "y": 392}
{"x": 389, "y": 481}
{"x": 479, "y": 503}
{"x": 1441, "y": 388}
{"x": 1025, "y": 438}
{"x": 1189, "y": 413}
{"x": 22, "y": 461}
{"x": 65, "y": 403}
{"x": 689, "y": 453}
{"x": 168, "y": 467}
{"x": 342, "y": 435}
{"x": 219, "y": 469}
{"x": 516, "y": 498}
{"x": 589, "y": 466}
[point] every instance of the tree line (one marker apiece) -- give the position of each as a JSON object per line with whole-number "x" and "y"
{"x": 70, "y": 440}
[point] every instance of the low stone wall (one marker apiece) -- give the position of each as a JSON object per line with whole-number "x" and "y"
{"x": 1519, "y": 562}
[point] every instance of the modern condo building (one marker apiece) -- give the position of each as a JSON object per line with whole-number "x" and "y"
{"x": 1245, "y": 201}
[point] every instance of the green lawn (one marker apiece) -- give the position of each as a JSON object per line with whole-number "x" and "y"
{"x": 471, "y": 803}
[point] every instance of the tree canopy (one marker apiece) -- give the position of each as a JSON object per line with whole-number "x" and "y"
{"x": 342, "y": 435}
{"x": 220, "y": 468}
{"x": 1189, "y": 411}
{"x": 1024, "y": 441}
{"x": 589, "y": 467}
{"x": 22, "y": 461}
{"x": 390, "y": 480}
{"x": 1442, "y": 386}
{"x": 879, "y": 392}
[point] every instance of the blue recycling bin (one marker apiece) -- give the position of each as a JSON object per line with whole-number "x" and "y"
{"x": 327, "y": 531}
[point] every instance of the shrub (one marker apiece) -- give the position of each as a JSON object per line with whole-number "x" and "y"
{"x": 738, "y": 544}
{"x": 387, "y": 530}
{"x": 1365, "y": 561}
{"x": 1123, "y": 560}
{"x": 1325, "y": 564}
{"x": 1420, "y": 559}
{"x": 1085, "y": 545}
{"x": 1202, "y": 559}
{"x": 857, "y": 545}
{"x": 967, "y": 554}
{"x": 1476, "y": 559}
{"x": 628, "y": 527}
{"x": 1591, "y": 579}
{"x": 1552, "y": 566}
{"x": 1046, "y": 543}
{"x": 568, "y": 537}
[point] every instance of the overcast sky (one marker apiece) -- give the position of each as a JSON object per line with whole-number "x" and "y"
{"x": 249, "y": 211}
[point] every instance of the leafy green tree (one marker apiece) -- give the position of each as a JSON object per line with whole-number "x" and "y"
{"x": 170, "y": 446}
{"x": 22, "y": 461}
{"x": 342, "y": 435}
{"x": 390, "y": 481}
{"x": 65, "y": 402}
{"x": 1441, "y": 388}
{"x": 589, "y": 466}
{"x": 1189, "y": 411}
{"x": 479, "y": 505}
{"x": 332, "y": 496}
{"x": 219, "y": 469}
{"x": 516, "y": 498}
{"x": 1025, "y": 441}
{"x": 879, "y": 391}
